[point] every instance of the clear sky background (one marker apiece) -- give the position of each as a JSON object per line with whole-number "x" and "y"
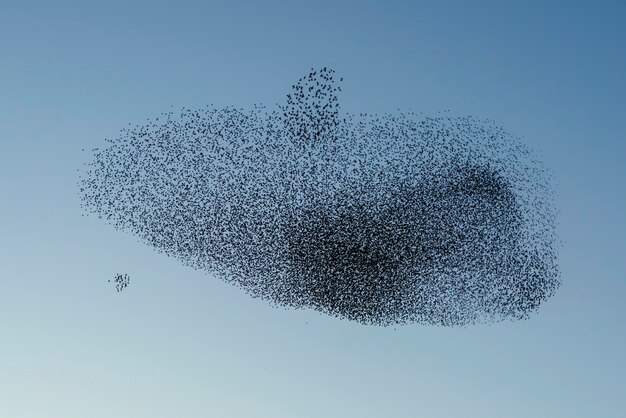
{"x": 179, "y": 343}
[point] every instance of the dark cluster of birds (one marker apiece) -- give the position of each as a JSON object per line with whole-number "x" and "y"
{"x": 121, "y": 282}
{"x": 381, "y": 219}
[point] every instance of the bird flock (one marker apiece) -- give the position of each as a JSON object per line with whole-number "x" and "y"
{"x": 121, "y": 282}
{"x": 380, "y": 219}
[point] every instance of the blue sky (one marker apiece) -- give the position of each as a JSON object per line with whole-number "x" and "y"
{"x": 178, "y": 342}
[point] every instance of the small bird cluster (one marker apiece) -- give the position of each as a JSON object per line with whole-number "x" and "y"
{"x": 121, "y": 282}
{"x": 381, "y": 219}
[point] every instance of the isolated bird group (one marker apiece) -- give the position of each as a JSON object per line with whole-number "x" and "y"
{"x": 121, "y": 282}
{"x": 380, "y": 219}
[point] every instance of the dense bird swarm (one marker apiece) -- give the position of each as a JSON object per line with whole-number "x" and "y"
{"x": 381, "y": 219}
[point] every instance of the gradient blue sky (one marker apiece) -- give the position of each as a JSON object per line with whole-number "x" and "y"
{"x": 179, "y": 343}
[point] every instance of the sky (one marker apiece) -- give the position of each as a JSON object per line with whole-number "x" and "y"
{"x": 180, "y": 343}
